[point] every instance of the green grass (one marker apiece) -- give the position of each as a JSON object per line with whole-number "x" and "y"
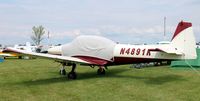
{"x": 39, "y": 80}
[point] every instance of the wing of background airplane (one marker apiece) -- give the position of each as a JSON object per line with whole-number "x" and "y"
{"x": 54, "y": 57}
{"x": 6, "y": 54}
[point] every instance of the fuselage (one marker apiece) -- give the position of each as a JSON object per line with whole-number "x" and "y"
{"x": 122, "y": 54}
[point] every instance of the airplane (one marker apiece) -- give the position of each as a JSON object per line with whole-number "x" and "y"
{"x": 4, "y": 55}
{"x": 26, "y": 47}
{"x": 102, "y": 52}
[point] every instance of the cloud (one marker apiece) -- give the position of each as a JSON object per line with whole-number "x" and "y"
{"x": 71, "y": 33}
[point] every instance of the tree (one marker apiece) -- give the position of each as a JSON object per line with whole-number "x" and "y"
{"x": 38, "y": 32}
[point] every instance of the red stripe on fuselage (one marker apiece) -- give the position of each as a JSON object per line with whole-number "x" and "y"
{"x": 128, "y": 60}
{"x": 118, "y": 60}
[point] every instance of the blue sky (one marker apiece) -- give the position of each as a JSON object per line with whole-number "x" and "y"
{"x": 124, "y": 21}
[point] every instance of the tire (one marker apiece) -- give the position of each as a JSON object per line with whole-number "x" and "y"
{"x": 99, "y": 72}
{"x": 72, "y": 75}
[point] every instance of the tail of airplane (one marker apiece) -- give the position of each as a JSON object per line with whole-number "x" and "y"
{"x": 28, "y": 47}
{"x": 184, "y": 41}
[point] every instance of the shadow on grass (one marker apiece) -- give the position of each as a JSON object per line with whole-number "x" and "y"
{"x": 159, "y": 80}
{"x": 44, "y": 81}
{"x": 81, "y": 76}
{"x": 156, "y": 80}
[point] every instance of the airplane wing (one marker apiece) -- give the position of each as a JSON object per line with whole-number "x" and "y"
{"x": 7, "y": 54}
{"x": 54, "y": 57}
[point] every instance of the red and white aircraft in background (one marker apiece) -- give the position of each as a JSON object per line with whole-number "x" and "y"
{"x": 102, "y": 52}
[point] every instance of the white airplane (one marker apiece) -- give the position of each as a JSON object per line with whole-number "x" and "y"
{"x": 102, "y": 52}
{"x": 26, "y": 47}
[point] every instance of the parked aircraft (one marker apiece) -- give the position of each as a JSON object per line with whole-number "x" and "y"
{"x": 6, "y": 54}
{"x": 3, "y": 55}
{"x": 102, "y": 52}
{"x": 26, "y": 47}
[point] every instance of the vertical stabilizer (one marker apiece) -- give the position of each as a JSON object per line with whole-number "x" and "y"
{"x": 28, "y": 47}
{"x": 184, "y": 41}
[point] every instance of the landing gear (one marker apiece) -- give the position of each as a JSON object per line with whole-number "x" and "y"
{"x": 62, "y": 70}
{"x": 101, "y": 71}
{"x": 72, "y": 74}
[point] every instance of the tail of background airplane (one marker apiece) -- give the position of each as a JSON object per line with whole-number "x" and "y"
{"x": 184, "y": 41}
{"x": 28, "y": 47}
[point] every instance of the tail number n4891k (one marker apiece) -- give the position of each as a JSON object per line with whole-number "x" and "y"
{"x": 134, "y": 51}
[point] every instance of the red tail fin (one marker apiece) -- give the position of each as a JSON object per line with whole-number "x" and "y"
{"x": 184, "y": 40}
{"x": 181, "y": 26}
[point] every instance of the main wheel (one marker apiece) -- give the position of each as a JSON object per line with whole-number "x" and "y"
{"x": 62, "y": 72}
{"x": 101, "y": 71}
{"x": 72, "y": 75}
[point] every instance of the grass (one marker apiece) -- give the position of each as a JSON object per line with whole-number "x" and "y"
{"x": 39, "y": 80}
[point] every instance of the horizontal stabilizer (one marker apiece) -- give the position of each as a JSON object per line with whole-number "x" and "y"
{"x": 168, "y": 50}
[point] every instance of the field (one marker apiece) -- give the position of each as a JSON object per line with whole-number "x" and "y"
{"x": 39, "y": 80}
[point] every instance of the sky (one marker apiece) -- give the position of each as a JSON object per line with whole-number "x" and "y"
{"x": 123, "y": 21}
